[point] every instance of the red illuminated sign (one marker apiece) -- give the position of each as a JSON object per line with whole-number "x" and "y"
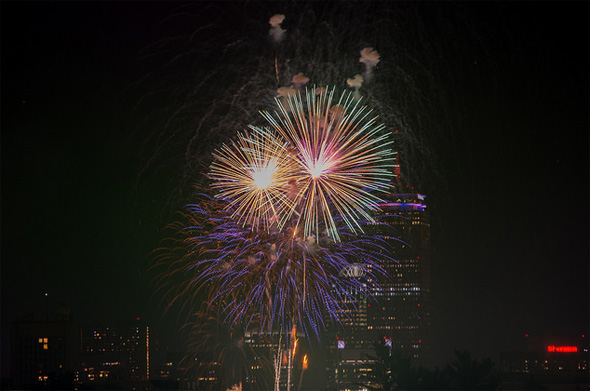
{"x": 562, "y": 349}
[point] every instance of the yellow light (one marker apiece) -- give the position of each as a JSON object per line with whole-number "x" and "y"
{"x": 305, "y": 362}
{"x": 295, "y": 346}
{"x": 263, "y": 177}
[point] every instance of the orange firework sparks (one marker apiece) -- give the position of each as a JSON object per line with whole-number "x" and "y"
{"x": 252, "y": 174}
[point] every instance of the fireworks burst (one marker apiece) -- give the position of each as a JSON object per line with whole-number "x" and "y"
{"x": 268, "y": 241}
{"x": 253, "y": 174}
{"x": 343, "y": 157}
{"x": 269, "y": 247}
{"x": 320, "y": 161}
{"x": 185, "y": 112}
{"x": 273, "y": 245}
{"x": 264, "y": 280}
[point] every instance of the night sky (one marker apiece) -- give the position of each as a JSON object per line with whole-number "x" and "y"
{"x": 80, "y": 213}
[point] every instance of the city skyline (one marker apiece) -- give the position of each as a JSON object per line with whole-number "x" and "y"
{"x": 510, "y": 222}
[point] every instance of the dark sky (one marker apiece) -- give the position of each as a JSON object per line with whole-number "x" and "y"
{"x": 511, "y": 238}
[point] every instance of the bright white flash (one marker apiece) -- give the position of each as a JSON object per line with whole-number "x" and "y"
{"x": 263, "y": 176}
{"x": 318, "y": 168}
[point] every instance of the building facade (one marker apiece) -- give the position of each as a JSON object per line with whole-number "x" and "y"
{"x": 43, "y": 353}
{"x": 398, "y": 313}
{"x": 402, "y": 311}
{"x": 548, "y": 363}
{"x": 118, "y": 352}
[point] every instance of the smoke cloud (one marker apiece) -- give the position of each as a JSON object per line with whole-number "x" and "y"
{"x": 355, "y": 82}
{"x": 299, "y": 80}
{"x": 370, "y": 58}
{"x": 276, "y": 32}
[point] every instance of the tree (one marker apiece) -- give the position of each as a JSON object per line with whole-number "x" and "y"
{"x": 391, "y": 371}
{"x": 466, "y": 373}
{"x": 394, "y": 371}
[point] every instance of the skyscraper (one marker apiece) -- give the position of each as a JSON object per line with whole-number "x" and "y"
{"x": 400, "y": 314}
{"x": 402, "y": 311}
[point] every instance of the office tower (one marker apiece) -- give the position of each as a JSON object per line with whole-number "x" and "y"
{"x": 402, "y": 311}
{"x": 398, "y": 314}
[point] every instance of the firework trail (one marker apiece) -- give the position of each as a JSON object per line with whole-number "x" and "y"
{"x": 265, "y": 282}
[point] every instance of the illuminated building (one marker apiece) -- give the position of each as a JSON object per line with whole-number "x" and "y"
{"x": 547, "y": 364}
{"x": 350, "y": 347}
{"x": 120, "y": 353}
{"x": 43, "y": 353}
{"x": 53, "y": 352}
{"x": 400, "y": 313}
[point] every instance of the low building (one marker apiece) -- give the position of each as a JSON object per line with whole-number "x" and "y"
{"x": 43, "y": 353}
{"x": 546, "y": 366}
{"x": 118, "y": 353}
